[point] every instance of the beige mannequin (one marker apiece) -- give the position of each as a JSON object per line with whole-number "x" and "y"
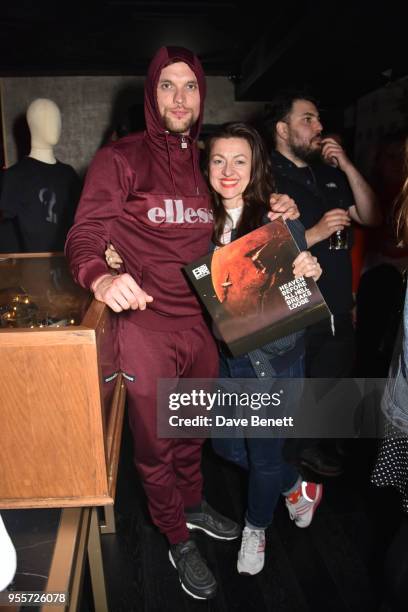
{"x": 44, "y": 121}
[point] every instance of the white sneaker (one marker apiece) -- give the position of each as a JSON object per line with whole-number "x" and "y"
{"x": 251, "y": 557}
{"x": 303, "y": 502}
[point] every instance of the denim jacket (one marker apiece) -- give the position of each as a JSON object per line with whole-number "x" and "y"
{"x": 394, "y": 403}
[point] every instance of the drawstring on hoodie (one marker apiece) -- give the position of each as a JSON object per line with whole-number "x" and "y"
{"x": 170, "y": 168}
{"x": 195, "y": 174}
{"x": 333, "y": 329}
{"x": 183, "y": 145}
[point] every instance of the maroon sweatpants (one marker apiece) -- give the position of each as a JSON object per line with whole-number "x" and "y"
{"x": 169, "y": 468}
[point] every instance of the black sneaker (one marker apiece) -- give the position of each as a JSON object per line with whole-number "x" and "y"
{"x": 212, "y": 523}
{"x": 195, "y": 577}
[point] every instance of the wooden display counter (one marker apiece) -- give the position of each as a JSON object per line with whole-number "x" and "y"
{"x": 61, "y": 392}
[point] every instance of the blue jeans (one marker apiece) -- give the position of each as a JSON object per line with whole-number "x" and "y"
{"x": 268, "y": 474}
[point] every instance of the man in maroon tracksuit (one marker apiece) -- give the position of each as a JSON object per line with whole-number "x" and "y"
{"x": 146, "y": 194}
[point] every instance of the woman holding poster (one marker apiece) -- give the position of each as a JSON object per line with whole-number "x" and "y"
{"x": 240, "y": 177}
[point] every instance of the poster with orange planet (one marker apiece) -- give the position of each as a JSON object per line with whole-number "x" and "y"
{"x": 250, "y": 292}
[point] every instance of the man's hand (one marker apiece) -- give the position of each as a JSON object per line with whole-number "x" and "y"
{"x": 331, "y": 222}
{"x": 120, "y": 292}
{"x": 282, "y": 206}
{"x": 334, "y": 154}
{"x": 306, "y": 265}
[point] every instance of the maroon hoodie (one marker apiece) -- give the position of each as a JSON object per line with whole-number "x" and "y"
{"x": 146, "y": 195}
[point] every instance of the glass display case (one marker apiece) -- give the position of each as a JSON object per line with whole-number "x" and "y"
{"x": 61, "y": 391}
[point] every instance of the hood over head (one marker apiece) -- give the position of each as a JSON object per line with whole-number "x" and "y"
{"x": 164, "y": 57}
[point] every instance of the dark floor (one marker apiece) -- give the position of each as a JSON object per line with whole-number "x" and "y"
{"x": 333, "y": 566}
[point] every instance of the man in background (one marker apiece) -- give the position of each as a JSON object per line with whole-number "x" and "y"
{"x": 330, "y": 192}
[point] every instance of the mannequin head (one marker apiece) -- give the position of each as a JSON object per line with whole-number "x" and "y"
{"x": 44, "y": 121}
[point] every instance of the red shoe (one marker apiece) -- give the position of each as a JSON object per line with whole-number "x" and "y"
{"x": 303, "y": 502}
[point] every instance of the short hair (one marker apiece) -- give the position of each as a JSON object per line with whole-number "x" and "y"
{"x": 280, "y": 107}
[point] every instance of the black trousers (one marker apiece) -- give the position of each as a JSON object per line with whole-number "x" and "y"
{"x": 380, "y": 302}
{"x": 329, "y": 356}
{"x": 330, "y": 352}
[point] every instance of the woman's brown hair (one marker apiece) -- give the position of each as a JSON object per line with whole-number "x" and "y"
{"x": 401, "y": 205}
{"x": 260, "y": 187}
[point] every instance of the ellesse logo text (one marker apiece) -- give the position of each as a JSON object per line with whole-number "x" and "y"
{"x": 174, "y": 212}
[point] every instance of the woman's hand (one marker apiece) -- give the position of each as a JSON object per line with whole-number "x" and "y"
{"x": 307, "y": 265}
{"x": 112, "y": 257}
{"x": 282, "y": 206}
